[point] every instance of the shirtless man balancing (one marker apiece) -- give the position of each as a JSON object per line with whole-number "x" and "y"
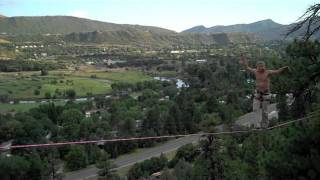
{"x": 262, "y": 92}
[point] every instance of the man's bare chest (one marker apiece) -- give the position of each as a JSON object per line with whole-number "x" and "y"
{"x": 262, "y": 76}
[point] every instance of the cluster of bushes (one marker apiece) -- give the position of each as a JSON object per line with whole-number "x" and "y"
{"x": 22, "y": 65}
{"x": 147, "y": 167}
{"x": 69, "y": 93}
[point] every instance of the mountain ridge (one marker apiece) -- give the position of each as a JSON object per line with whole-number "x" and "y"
{"x": 267, "y": 29}
{"x": 64, "y": 25}
{"x": 80, "y": 30}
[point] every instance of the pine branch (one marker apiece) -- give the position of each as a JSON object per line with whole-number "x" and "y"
{"x": 310, "y": 19}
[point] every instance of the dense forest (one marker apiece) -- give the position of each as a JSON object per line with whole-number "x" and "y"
{"x": 216, "y": 95}
{"x": 161, "y": 107}
{"x": 285, "y": 153}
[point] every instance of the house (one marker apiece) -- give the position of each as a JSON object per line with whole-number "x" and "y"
{"x": 176, "y": 52}
{"x": 138, "y": 124}
{"x": 192, "y": 51}
{"x": 90, "y": 62}
{"x": 44, "y": 54}
{"x": 201, "y": 60}
{"x": 164, "y": 98}
{"x": 90, "y": 112}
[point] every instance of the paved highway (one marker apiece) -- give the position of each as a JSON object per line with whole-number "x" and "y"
{"x": 127, "y": 160}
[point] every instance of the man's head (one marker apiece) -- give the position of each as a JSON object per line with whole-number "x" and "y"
{"x": 261, "y": 66}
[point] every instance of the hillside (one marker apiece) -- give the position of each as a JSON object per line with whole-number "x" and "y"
{"x": 138, "y": 38}
{"x": 80, "y": 30}
{"x": 86, "y": 30}
{"x": 266, "y": 29}
{"x": 64, "y": 25}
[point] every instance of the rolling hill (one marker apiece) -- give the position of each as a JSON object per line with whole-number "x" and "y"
{"x": 265, "y": 29}
{"x": 64, "y": 25}
{"x": 79, "y": 30}
{"x": 137, "y": 38}
{"x": 253, "y": 27}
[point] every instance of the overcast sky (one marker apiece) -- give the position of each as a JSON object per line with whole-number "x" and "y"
{"x": 176, "y": 15}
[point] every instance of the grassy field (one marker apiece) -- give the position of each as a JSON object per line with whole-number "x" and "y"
{"x": 24, "y": 84}
{"x": 24, "y": 88}
{"x": 80, "y": 85}
{"x": 126, "y": 76}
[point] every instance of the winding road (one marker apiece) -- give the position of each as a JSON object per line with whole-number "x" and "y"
{"x": 171, "y": 145}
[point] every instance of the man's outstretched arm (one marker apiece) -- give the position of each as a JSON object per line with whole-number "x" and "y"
{"x": 278, "y": 71}
{"x": 244, "y": 62}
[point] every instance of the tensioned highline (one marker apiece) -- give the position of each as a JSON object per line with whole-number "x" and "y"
{"x": 313, "y": 114}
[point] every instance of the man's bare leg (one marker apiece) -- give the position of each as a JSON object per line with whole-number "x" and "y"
{"x": 265, "y": 104}
{"x": 256, "y": 108}
{"x": 256, "y": 104}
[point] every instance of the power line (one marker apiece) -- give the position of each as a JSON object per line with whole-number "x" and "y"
{"x": 154, "y": 137}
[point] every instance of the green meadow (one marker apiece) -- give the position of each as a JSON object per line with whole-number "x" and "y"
{"x": 23, "y": 85}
